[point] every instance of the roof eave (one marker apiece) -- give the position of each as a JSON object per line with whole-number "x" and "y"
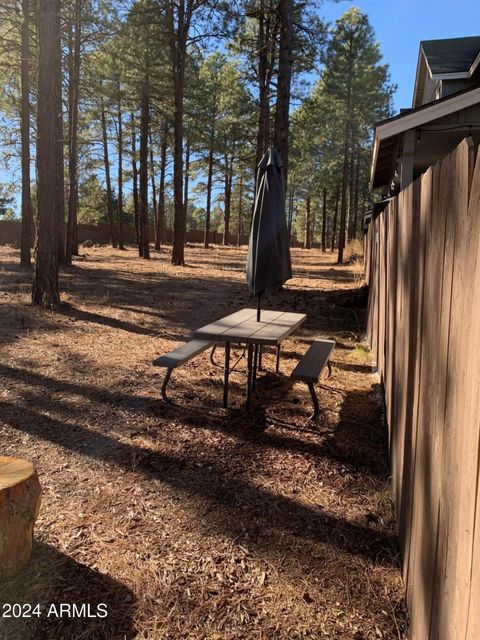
{"x": 418, "y": 117}
{"x": 373, "y": 164}
{"x": 421, "y": 54}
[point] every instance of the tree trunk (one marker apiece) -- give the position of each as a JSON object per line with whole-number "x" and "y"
{"x": 266, "y": 64}
{"x": 209, "y": 198}
{"x": 143, "y": 246}
{"x": 290, "y": 213}
{"x": 356, "y": 187}
{"x": 27, "y": 209}
{"x": 121, "y": 244}
{"x": 307, "y": 242}
{"x": 343, "y": 210}
{"x": 179, "y": 220}
{"x": 343, "y": 205}
{"x": 285, "y": 63}
{"x": 20, "y": 498}
{"x": 161, "y": 192}
{"x": 154, "y": 187}
{"x": 56, "y": 71}
{"x": 335, "y": 219}
{"x": 228, "y": 199}
{"x": 136, "y": 213}
{"x": 45, "y": 282}
{"x": 351, "y": 204}
{"x": 71, "y": 247}
{"x": 187, "y": 178}
{"x": 324, "y": 221}
{"x": 108, "y": 182}
{"x": 240, "y": 211}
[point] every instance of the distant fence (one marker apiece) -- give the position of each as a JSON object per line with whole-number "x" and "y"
{"x": 100, "y": 234}
{"x": 423, "y": 268}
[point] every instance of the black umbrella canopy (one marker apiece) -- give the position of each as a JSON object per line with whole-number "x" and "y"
{"x": 268, "y": 261}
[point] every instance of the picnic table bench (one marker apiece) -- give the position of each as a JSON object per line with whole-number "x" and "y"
{"x": 310, "y": 367}
{"x": 180, "y": 356}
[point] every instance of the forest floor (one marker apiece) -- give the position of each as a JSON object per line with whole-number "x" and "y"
{"x": 195, "y": 522}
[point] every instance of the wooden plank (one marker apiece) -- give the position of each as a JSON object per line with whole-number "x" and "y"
{"x": 278, "y": 330}
{"x": 452, "y": 584}
{"x": 411, "y": 251}
{"x": 381, "y": 297}
{"x": 244, "y": 331}
{"x": 270, "y": 316}
{"x": 451, "y": 397}
{"x": 182, "y": 354}
{"x": 274, "y": 327}
{"x": 371, "y": 284}
{"x": 313, "y": 361}
{"x": 471, "y": 490}
{"x": 427, "y": 484}
{"x": 212, "y": 330}
{"x": 404, "y": 219}
{"x": 425, "y": 205}
{"x": 391, "y": 320}
{"x": 289, "y": 318}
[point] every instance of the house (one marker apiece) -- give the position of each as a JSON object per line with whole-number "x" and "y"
{"x": 445, "y": 109}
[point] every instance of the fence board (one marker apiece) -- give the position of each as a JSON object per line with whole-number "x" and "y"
{"x": 402, "y": 276}
{"x": 424, "y": 216}
{"x": 471, "y": 415}
{"x": 412, "y": 243}
{"x": 390, "y": 311}
{"x": 381, "y": 296}
{"x": 457, "y": 508}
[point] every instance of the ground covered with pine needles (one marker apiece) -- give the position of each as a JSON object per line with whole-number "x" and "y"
{"x": 191, "y": 521}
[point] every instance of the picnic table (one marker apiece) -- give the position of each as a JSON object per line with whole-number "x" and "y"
{"x": 242, "y": 327}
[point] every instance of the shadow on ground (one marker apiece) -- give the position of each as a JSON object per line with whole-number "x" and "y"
{"x": 69, "y": 582}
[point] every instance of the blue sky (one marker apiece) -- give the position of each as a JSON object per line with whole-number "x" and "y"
{"x": 400, "y": 25}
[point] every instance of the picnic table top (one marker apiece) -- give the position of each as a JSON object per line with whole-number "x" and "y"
{"x": 242, "y": 326}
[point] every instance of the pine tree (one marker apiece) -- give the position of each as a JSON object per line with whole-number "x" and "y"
{"x": 356, "y": 82}
{"x": 45, "y": 283}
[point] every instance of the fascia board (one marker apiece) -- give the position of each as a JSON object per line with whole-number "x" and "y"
{"x": 433, "y": 111}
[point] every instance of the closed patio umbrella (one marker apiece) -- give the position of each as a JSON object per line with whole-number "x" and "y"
{"x": 268, "y": 261}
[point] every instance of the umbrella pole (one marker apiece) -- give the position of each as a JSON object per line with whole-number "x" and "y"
{"x": 259, "y": 304}
{"x": 255, "y": 351}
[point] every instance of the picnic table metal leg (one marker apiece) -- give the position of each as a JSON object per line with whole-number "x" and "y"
{"x": 164, "y": 386}
{"x": 255, "y": 361}
{"x": 249, "y": 374}
{"x": 330, "y": 371}
{"x": 212, "y": 353}
{"x": 260, "y": 350}
{"x": 316, "y": 408}
{"x": 226, "y": 374}
{"x": 277, "y": 366}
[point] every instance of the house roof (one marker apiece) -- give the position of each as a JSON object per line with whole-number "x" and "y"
{"x": 452, "y": 55}
{"x": 388, "y": 133}
{"x": 447, "y": 59}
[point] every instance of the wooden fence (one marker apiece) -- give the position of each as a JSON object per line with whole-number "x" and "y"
{"x": 423, "y": 268}
{"x": 10, "y": 232}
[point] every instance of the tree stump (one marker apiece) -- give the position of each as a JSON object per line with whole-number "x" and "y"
{"x": 20, "y": 497}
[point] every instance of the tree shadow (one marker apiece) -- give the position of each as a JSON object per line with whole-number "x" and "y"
{"x": 70, "y": 311}
{"x": 216, "y": 482}
{"x": 52, "y": 578}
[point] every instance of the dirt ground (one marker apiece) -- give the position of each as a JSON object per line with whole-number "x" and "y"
{"x": 191, "y": 521}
